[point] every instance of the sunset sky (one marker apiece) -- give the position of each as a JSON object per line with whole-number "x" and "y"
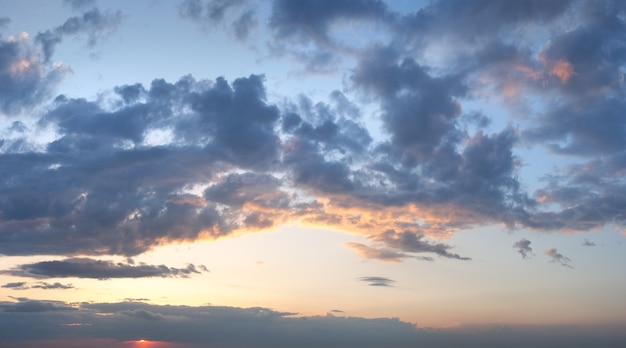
{"x": 311, "y": 173}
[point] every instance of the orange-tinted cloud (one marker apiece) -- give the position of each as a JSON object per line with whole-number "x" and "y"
{"x": 562, "y": 69}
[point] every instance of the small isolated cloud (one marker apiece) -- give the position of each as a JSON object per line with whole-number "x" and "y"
{"x": 15, "y": 286}
{"x": 48, "y": 286}
{"x": 589, "y": 243}
{"x": 556, "y": 257}
{"x": 99, "y": 269}
{"x": 523, "y": 247}
{"x": 140, "y": 299}
{"x": 378, "y": 281}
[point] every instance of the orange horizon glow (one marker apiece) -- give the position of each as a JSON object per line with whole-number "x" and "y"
{"x": 144, "y": 343}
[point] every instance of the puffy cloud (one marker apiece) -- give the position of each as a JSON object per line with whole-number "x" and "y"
{"x": 98, "y": 175}
{"x": 26, "y": 80}
{"x": 231, "y": 161}
{"x": 523, "y": 247}
{"x": 97, "y": 269}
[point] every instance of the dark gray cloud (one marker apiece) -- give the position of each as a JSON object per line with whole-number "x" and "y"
{"x": 590, "y": 194}
{"x": 303, "y": 30}
{"x": 25, "y": 305}
{"x": 232, "y": 327}
{"x": 474, "y": 20}
{"x": 16, "y": 286}
{"x": 90, "y": 180}
{"x": 378, "y": 281}
{"x": 430, "y": 159}
{"x": 93, "y": 24}
{"x": 557, "y": 257}
{"x": 523, "y": 247}
{"x": 238, "y": 120}
{"x": 97, "y": 269}
{"x": 233, "y": 161}
{"x": 306, "y": 20}
{"x": 220, "y": 326}
{"x": 410, "y": 242}
{"x": 38, "y": 285}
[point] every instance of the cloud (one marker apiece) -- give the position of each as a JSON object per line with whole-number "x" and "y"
{"x": 150, "y": 316}
{"x": 198, "y": 326}
{"x": 382, "y": 254}
{"x": 233, "y": 327}
{"x": 589, "y": 243}
{"x": 311, "y": 19}
{"x": 94, "y": 24}
{"x": 127, "y": 189}
{"x": 26, "y": 80}
{"x": 414, "y": 243}
{"x": 556, "y": 257}
{"x": 216, "y": 12}
{"x": 97, "y": 269}
{"x": 378, "y": 281}
{"x": 231, "y": 161}
{"x": 16, "y": 286}
{"x": 38, "y": 285}
{"x": 475, "y": 20}
{"x": 25, "y": 305}
{"x": 523, "y": 247}
{"x": 48, "y": 286}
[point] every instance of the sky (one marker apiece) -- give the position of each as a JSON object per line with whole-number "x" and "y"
{"x": 367, "y": 173}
